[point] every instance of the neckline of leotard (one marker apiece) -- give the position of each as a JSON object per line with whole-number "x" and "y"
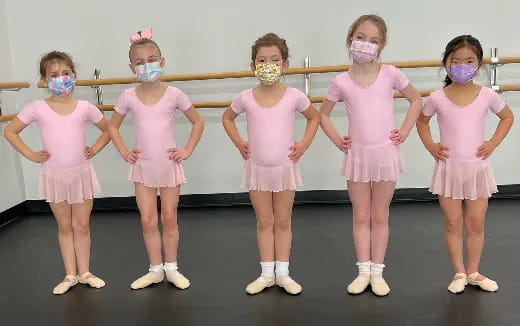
{"x": 381, "y": 66}
{"x": 154, "y": 104}
{"x": 272, "y": 107}
{"x": 62, "y": 115}
{"x": 462, "y": 106}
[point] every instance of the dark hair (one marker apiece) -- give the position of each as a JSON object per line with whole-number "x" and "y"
{"x": 55, "y": 56}
{"x": 143, "y": 41}
{"x": 460, "y": 42}
{"x": 270, "y": 39}
{"x": 376, "y": 20}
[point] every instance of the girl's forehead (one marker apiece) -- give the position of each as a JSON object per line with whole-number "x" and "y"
{"x": 267, "y": 51}
{"x": 56, "y": 66}
{"x": 463, "y": 52}
{"x": 144, "y": 51}
{"x": 368, "y": 28}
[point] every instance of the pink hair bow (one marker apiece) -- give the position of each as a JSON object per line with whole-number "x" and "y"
{"x": 145, "y": 33}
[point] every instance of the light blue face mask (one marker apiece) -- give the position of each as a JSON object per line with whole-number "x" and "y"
{"x": 148, "y": 72}
{"x": 62, "y": 85}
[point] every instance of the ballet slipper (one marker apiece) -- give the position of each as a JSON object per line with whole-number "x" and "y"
{"x": 486, "y": 284}
{"x": 65, "y": 285}
{"x": 260, "y": 284}
{"x": 91, "y": 280}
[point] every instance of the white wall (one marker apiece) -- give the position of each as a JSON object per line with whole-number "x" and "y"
{"x": 12, "y": 190}
{"x": 210, "y": 36}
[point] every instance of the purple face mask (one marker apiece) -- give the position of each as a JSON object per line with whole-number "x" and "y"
{"x": 462, "y": 73}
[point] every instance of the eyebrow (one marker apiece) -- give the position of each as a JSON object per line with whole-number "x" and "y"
{"x": 466, "y": 58}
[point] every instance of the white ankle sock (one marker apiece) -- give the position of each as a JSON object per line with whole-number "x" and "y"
{"x": 282, "y": 268}
{"x": 364, "y": 268}
{"x": 267, "y": 268}
{"x": 376, "y": 269}
{"x": 171, "y": 269}
{"x": 157, "y": 269}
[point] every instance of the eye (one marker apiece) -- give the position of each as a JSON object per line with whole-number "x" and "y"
{"x": 374, "y": 42}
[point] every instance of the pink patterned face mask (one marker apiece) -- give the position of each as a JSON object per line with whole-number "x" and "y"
{"x": 363, "y": 52}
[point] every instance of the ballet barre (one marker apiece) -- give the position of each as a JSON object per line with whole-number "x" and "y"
{"x": 14, "y": 86}
{"x": 494, "y": 61}
{"x": 11, "y": 87}
{"x": 313, "y": 99}
{"x": 290, "y": 71}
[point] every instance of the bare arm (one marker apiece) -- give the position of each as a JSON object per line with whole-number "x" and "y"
{"x": 410, "y": 93}
{"x": 197, "y": 123}
{"x": 12, "y": 134}
{"x": 313, "y": 121}
{"x": 423, "y": 129}
{"x": 504, "y": 125}
{"x": 328, "y": 127}
{"x": 115, "y": 135}
{"x": 102, "y": 140}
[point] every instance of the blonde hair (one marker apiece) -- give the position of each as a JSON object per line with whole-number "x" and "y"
{"x": 140, "y": 42}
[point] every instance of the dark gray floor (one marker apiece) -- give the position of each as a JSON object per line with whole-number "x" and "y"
{"x": 218, "y": 253}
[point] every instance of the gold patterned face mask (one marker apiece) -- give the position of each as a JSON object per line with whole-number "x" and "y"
{"x": 268, "y": 73}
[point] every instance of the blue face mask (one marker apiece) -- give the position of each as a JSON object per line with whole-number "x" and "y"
{"x": 62, "y": 85}
{"x": 148, "y": 72}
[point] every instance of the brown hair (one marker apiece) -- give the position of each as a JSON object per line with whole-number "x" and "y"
{"x": 378, "y": 21}
{"x": 55, "y": 56}
{"x": 140, "y": 42}
{"x": 270, "y": 39}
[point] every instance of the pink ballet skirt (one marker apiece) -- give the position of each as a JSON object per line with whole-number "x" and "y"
{"x": 463, "y": 180}
{"x": 372, "y": 163}
{"x": 74, "y": 185}
{"x": 276, "y": 178}
{"x": 157, "y": 172}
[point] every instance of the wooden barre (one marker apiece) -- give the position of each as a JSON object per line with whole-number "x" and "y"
{"x": 291, "y": 71}
{"x": 313, "y": 99}
{"x": 14, "y": 85}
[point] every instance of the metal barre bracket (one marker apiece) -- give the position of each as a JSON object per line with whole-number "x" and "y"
{"x": 307, "y": 77}
{"x": 493, "y": 65}
{"x": 99, "y": 89}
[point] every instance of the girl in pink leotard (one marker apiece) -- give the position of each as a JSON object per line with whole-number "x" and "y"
{"x": 462, "y": 170}
{"x": 156, "y": 159}
{"x": 271, "y": 171}
{"x": 372, "y": 161}
{"x": 67, "y": 178}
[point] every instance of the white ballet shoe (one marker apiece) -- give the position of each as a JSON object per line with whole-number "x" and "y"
{"x": 378, "y": 285}
{"x": 377, "y": 282}
{"x": 68, "y": 282}
{"x": 359, "y": 284}
{"x": 147, "y": 280}
{"x": 362, "y": 281}
{"x": 288, "y": 284}
{"x": 260, "y": 284}
{"x": 91, "y": 280}
{"x": 179, "y": 280}
{"x": 458, "y": 284}
{"x": 486, "y": 284}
